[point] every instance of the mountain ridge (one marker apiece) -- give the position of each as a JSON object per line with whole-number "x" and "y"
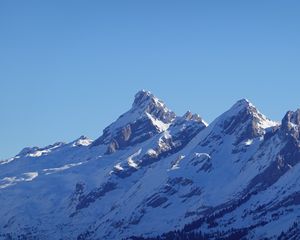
{"x": 152, "y": 174}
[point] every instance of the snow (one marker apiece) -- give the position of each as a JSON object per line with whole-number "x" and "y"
{"x": 130, "y": 160}
{"x": 199, "y": 155}
{"x": 45, "y": 151}
{"x": 8, "y": 160}
{"x": 249, "y": 142}
{"x": 159, "y": 124}
{"x": 39, "y": 153}
{"x": 266, "y": 123}
{"x": 10, "y": 181}
{"x": 205, "y": 123}
{"x": 151, "y": 152}
{"x": 177, "y": 162}
{"x": 118, "y": 167}
{"x": 49, "y": 171}
{"x": 83, "y": 141}
{"x": 30, "y": 176}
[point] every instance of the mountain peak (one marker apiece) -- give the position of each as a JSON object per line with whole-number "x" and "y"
{"x": 243, "y": 101}
{"x": 147, "y": 117}
{"x": 193, "y": 117}
{"x": 141, "y": 97}
{"x": 243, "y": 104}
{"x": 243, "y": 120}
{"x": 146, "y": 103}
{"x": 291, "y": 120}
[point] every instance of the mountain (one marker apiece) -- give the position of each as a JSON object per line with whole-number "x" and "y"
{"x": 154, "y": 175}
{"x": 147, "y": 117}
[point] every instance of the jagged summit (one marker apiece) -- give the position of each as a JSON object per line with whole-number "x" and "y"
{"x": 291, "y": 123}
{"x": 193, "y": 117}
{"x": 146, "y": 102}
{"x": 142, "y": 97}
{"x": 243, "y": 120}
{"x": 147, "y": 117}
{"x": 244, "y": 110}
{"x": 292, "y": 117}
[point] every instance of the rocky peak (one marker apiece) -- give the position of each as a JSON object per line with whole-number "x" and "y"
{"x": 291, "y": 123}
{"x": 142, "y": 97}
{"x": 147, "y": 117}
{"x": 146, "y": 102}
{"x": 242, "y": 120}
{"x": 189, "y": 116}
{"x": 291, "y": 118}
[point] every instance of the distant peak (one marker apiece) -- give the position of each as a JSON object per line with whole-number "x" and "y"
{"x": 193, "y": 117}
{"x": 188, "y": 115}
{"x": 143, "y": 92}
{"x": 243, "y": 120}
{"x": 243, "y": 103}
{"x": 291, "y": 120}
{"x": 243, "y": 108}
{"x": 146, "y": 103}
{"x": 141, "y": 97}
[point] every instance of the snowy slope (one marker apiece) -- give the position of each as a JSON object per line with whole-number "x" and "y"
{"x": 152, "y": 172}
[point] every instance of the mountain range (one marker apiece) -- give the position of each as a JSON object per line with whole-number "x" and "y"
{"x": 154, "y": 175}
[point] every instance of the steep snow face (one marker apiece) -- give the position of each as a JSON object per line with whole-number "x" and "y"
{"x": 152, "y": 172}
{"x": 147, "y": 117}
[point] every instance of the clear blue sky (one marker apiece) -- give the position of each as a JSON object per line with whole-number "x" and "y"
{"x": 69, "y": 68}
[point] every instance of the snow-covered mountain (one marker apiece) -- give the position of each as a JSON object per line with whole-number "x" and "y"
{"x": 155, "y": 175}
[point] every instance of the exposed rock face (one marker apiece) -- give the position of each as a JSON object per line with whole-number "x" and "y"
{"x": 126, "y": 132}
{"x": 291, "y": 124}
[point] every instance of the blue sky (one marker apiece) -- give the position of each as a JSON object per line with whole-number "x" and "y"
{"x": 69, "y": 68}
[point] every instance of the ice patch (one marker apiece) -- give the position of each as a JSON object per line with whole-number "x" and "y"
{"x": 10, "y": 181}
{"x": 249, "y": 142}
{"x": 8, "y": 160}
{"x": 38, "y": 153}
{"x": 175, "y": 165}
{"x": 118, "y": 167}
{"x": 130, "y": 160}
{"x": 44, "y": 151}
{"x": 49, "y": 171}
{"x": 83, "y": 141}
